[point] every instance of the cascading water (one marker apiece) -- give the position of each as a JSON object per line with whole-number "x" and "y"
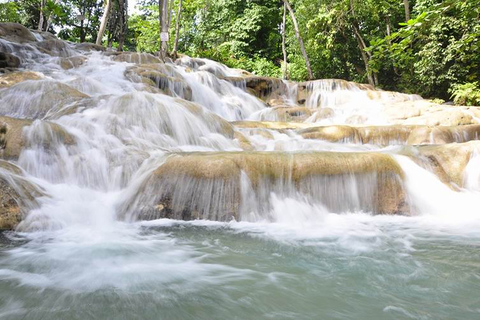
{"x": 289, "y": 219}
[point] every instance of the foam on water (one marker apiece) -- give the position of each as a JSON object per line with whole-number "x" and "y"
{"x": 293, "y": 255}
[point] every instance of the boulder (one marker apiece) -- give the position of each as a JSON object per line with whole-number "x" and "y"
{"x": 448, "y": 161}
{"x": 15, "y": 32}
{"x": 160, "y": 76}
{"x": 243, "y": 141}
{"x": 72, "y": 62}
{"x": 264, "y": 88}
{"x": 344, "y": 134}
{"x": 302, "y": 93}
{"x": 222, "y": 186}
{"x": 37, "y": 99}
{"x": 86, "y": 46}
{"x": 12, "y": 78}
{"x": 287, "y": 113}
{"x": 17, "y": 195}
{"x": 8, "y": 60}
{"x": 321, "y": 114}
{"x": 137, "y": 58}
{"x": 54, "y": 47}
{"x": 13, "y": 138}
{"x": 385, "y": 135}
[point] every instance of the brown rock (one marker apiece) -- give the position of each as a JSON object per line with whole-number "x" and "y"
{"x": 287, "y": 113}
{"x": 138, "y": 58}
{"x": 12, "y": 78}
{"x": 54, "y": 47}
{"x": 208, "y": 185}
{"x": 86, "y": 46}
{"x": 332, "y": 134}
{"x": 448, "y": 161}
{"x": 37, "y": 99}
{"x": 160, "y": 76}
{"x": 15, "y": 32}
{"x": 72, "y": 62}
{"x": 8, "y": 60}
{"x": 12, "y": 137}
{"x": 17, "y": 196}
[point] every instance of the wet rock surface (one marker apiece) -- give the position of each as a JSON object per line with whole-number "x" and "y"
{"x": 17, "y": 196}
{"x": 8, "y": 60}
{"x": 179, "y": 188}
{"x": 327, "y": 142}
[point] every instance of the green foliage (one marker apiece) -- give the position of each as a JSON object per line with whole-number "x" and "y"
{"x": 12, "y": 12}
{"x": 438, "y": 47}
{"x": 296, "y": 68}
{"x": 466, "y": 94}
{"x": 146, "y": 30}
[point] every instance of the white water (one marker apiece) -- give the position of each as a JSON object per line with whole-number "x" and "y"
{"x": 290, "y": 257}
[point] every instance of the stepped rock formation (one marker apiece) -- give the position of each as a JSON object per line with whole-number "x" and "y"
{"x": 193, "y": 139}
{"x": 206, "y": 185}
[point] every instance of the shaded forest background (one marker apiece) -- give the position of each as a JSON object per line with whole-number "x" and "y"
{"x": 429, "y": 47}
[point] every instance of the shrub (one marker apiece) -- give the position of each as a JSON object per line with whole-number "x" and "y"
{"x": 466, "y": 94}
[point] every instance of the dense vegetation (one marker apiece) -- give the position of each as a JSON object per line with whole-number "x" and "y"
{"x": 430, "y": 47}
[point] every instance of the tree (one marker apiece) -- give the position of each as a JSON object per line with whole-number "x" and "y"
{"x": 299, "y": 39}
{"x": 123, "y": 22}
{"x": 177, "y": 29}
{"x": 163, "y": 19}
{"x": 366, "y": 55}
{"x": 284, "y": 49}
{"x": 103, "y": 23}
{"x": 406, "y": 4}
{"x": 41, "y": 16}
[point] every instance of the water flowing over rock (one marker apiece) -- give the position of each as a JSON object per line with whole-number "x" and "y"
{"x": 17, "y": 195}
{"x": 138, "y": 58}
{"x": 9, "y": 79}
{"x": 123, "y": 136}
{"x": 223, "y": 186}
{"x": 37, "y": 99}
{"x": 16, "y": 33}
{"x": 161, "y": 76}
{"x": 8, "y": 60}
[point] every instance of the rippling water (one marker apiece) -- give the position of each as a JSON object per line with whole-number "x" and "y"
{"x": 81, "y": 260}
{"x": 343, "y": 267}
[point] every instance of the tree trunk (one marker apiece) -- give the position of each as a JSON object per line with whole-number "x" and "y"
{"x": 406, "y": 4}
{"x": 284, "y": 49}
{"x": 163, "y": 19}
{"x": 49, "y": 19}
{"x": 170, "y": 10}
{"x": 89, "y": 19}
{"x": 366, "y": 56}
{"x": 177, "y": 29}
{"x": 123, "y": 11}
{"x": 82, "y": 31}
{"x": 299, "y": 38}
{"x": 103, "y": 23}
{"x": 41, "y": 18}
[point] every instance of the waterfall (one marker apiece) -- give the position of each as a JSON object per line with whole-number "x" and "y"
{"x": 111, "y": 136}
{"x": 189, "y": 190}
